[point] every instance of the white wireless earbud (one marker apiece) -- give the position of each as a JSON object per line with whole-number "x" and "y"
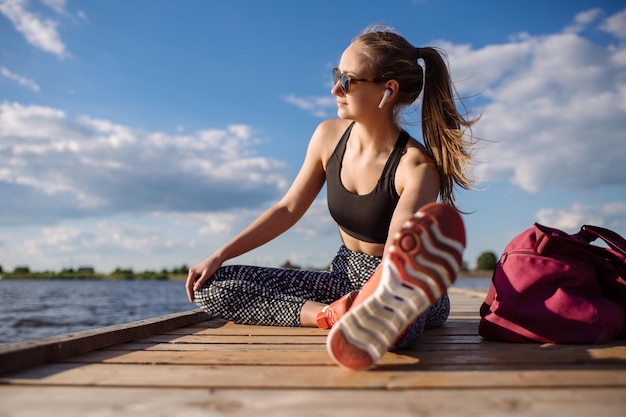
{"x": 386, "y": 95}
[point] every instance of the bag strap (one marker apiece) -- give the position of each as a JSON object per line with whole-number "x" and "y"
{"x": 550, "y": 241}
{"x": 615, "y": 241}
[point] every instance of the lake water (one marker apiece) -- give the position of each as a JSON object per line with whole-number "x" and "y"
{"x": 33, "y": 309}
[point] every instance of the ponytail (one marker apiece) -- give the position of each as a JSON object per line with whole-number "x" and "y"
{"x": 447, "y": 134}
{"x": 444, "y": 129}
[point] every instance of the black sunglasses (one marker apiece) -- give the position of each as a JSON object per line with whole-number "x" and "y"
{"x": 345, "y": 81}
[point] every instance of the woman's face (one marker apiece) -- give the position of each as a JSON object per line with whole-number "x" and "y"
{"x": 363, "y": 97}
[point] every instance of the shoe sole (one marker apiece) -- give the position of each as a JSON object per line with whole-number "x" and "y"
{"x": 420, "y": 266}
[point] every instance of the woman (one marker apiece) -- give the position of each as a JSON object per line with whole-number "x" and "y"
{"x": 377, "y": 178}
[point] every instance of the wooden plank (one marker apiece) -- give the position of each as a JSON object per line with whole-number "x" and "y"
{"x": 466, "y": 327}
{"x": 24, "y": 354}
{"x": 209, "y": 338}
{"x": 316, "y": 355}
{"x": 425, "y": 343}
{"x": 231, "y": 329}
{"x": 459, "y": 343}
{"x": 190, "y": 347}
{"x": 310, "y": 377}
{"x": 151, "y": 402}
{"x": 281, "y": 357}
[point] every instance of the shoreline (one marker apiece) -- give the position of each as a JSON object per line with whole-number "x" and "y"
{"x": 169, "y": 277}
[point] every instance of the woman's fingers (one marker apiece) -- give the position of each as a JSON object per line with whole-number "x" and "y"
{"x": 190, "y": 284}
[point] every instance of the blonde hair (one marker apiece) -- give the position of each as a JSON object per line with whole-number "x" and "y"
{"x": 447, "y": 134}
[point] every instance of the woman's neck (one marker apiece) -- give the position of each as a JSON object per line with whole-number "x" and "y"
{"x": 375, "y": 137}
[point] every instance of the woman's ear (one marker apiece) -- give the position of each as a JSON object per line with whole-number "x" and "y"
{"x": 394, "y": 87}
{"x": 390, "y": 92}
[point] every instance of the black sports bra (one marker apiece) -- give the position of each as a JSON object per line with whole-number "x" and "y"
{"x": 365, "y": 217}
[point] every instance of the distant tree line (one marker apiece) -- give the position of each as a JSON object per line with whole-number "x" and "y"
{"x": 87, "y": 273}
{"x": 485, "y": 262}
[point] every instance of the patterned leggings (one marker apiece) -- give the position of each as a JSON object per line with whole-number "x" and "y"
{"x": 274, "y": 296}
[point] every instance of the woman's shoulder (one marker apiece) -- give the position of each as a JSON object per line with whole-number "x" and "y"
{"x": 327, "y": 135}
{"x": 416, "y": 152}
{"x": 332, "y": 128}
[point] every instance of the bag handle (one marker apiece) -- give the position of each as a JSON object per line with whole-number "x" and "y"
{"x": 615, "y": 241}
{"x": 550, "y": 241}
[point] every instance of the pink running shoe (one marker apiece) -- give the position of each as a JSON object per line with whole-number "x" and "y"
{"x": 331, "y": 314}
{"x": 420, "y": 265}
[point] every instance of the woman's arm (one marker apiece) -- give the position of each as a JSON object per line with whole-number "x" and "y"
{"x": 278, "y": 218}
{"x": 417, "y": 182}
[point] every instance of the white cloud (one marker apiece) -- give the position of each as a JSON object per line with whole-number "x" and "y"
{"x": 152, "y": 241}
{"x": 56, "y": 167}
{"x": 616, "y": 25}
{"x": 135, "y": 238}
{"x": 41, "y": 33}
{"x": 223, "y": 223}
{"x": 56, "y": 5}
{"x": 583, "y": 20}
{"x": 105, "y": 245}
{"x": 316, "y": 221}
{"x": 475, "y": 71}
{"x": 317, "y": 106}
{"x": 611, "y": 215}
{"x": 23, "y": 81}
{"x": 554, "y": 109}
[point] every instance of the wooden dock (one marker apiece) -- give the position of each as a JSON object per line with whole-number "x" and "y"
{"x": 186, "y": 365}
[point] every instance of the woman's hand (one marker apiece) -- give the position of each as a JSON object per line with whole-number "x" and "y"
{"x": 200, "y": 274}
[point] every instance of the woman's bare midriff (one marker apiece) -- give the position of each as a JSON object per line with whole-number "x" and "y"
{"x": 355, "y": 245}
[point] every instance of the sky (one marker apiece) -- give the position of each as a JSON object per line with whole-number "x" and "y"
{"x": 145, "y": 134}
